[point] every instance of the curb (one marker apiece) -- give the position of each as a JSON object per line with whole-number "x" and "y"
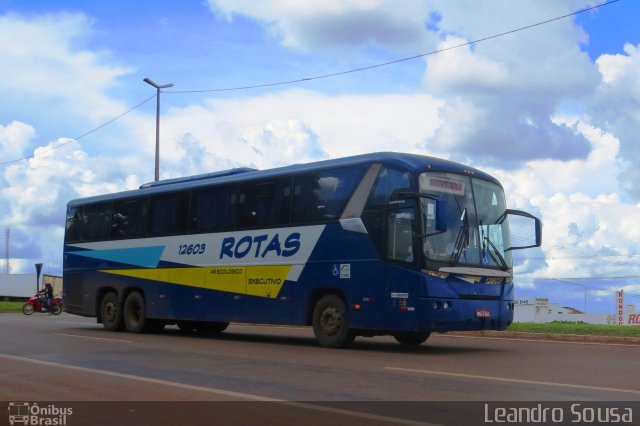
{"x": 633, "y": 341}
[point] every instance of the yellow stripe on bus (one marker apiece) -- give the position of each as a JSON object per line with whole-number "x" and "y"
{"x": 262, "y": 281}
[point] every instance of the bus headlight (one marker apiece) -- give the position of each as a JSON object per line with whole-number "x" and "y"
{"x": 438, "y": 305}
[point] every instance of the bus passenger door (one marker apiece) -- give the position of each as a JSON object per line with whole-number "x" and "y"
{"x": 402, "y": 278}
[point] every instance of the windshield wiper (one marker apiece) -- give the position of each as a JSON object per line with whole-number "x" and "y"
{"x": 499, "y": 259}
{"x": 463, "y": 237}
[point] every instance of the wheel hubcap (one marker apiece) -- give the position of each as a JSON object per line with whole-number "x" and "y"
{"x": 331, "y": 321}
{"x": 110, "y": 312}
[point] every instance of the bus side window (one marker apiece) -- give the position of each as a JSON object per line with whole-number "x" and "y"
{"x": 168, "y": 214}
{"x": 72, "y": 231}
{"x": 389, "y": 180}
{"x": 265, "y": 203}
{"x": 322, "y": 196}
{"x": 214, "y": 209}
{"x": 129, "y": 218}
{"x": 95, "y": 222}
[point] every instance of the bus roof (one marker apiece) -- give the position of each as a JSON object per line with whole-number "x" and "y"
{"x": 413, "y": 162}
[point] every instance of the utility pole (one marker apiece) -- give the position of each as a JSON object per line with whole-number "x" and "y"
{"x": 158, "y": 87}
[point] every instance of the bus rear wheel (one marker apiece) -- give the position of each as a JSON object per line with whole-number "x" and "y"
{"x": 111, "y": 312}
{"x": 411, "y": 338}
{"x": 331, "y": 323}
{"x": 135, "y": 316}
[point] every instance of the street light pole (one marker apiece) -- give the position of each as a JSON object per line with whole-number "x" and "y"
{"x": 158, "y": 87}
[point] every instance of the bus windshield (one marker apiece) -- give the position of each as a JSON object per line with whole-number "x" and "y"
{"x": 472, "y": 236}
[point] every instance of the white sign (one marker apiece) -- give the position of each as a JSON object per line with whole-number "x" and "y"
{"x": 620, "y": 310}
{"x": 345, "y": 270}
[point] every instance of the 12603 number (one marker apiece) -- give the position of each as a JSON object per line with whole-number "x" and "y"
{"x": 187, "y": 249}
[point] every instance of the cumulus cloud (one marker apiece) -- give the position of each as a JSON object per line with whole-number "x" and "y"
{"x": 44, "y": 64}
{"x": 584, "y": 219}
{"x": 36, "y": 190}
{"x": 501, "y": 95}
{"x": 491, "y": 132}
{"x": 14, "y": 138}
{"x": 274, "y": 130}
{"x": 343, "y": 25}
{"x": 34, "y": 193}
{"x": 616, "y": 108}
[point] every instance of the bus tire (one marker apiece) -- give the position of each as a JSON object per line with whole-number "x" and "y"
{"x": 111, "y": 312}
{"x": 331, "y": 323}
{"x": 412, "y": 338}
{"x": 135, "y": 314}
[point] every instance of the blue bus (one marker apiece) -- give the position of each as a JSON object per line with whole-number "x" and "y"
{"x": 376, "y": 244}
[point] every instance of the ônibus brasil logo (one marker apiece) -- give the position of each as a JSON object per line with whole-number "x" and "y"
{"x": 32, "y": 414}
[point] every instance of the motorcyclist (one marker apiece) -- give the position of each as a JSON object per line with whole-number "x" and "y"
{"x": 48, "y": 296}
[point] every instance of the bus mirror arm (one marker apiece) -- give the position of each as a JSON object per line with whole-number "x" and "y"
{"x": 538, "y": 225}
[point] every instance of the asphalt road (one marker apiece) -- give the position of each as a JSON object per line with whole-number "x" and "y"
{"x": 70, "y": 358}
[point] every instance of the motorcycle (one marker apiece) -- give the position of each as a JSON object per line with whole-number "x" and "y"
{"x": 37, "y": 304}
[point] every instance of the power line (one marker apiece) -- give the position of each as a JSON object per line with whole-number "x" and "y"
{"x": 384, "y": 64}
{"x": 578, "y": 259}
{"x": 60, "y": 145}
{"x": 628, "y": 277}
{"x": 577, "y": 254}
{"x": 629, "y": 256}
{"x": 591, "y": 287}
{"x": 565, "y": 281}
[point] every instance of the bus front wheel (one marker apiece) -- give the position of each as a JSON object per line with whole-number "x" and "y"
{"x": 111, "y": 312}
{"x": 331, "y": 323}
{"x": 411, "y": 338}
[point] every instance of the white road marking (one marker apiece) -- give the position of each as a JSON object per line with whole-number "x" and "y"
{"x": 506, "y": 379}
{"x": 79, "y": 323}
{"x": 94, "y": 338}
{"x": 222, "y": 392}
{"x": 518, "y": 339}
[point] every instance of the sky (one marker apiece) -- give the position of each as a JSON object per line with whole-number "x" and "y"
{"x": 551, "y": 110}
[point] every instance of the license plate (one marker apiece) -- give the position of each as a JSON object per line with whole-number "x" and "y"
{"x": 483, "y": 313}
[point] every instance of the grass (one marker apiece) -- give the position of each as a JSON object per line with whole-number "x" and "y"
{"x": 567, "y": 327}
{"x": 11, "y": 306}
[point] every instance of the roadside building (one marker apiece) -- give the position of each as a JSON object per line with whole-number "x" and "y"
{"x": 541, "y": 310}
{"x": 22, "y": 286}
